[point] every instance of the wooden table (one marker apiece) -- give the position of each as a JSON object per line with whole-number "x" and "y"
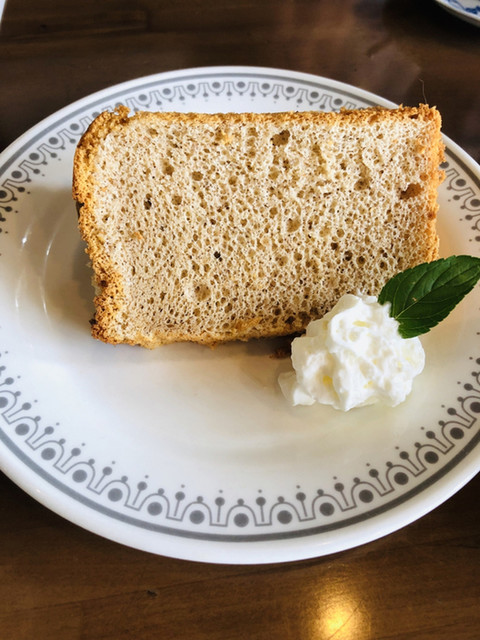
{"x": 59, "y": 581}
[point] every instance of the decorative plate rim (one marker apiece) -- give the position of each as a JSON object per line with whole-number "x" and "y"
{"x": 12, "y": 413}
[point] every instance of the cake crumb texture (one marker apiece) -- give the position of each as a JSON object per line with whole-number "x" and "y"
{"x": 210, "y": 228}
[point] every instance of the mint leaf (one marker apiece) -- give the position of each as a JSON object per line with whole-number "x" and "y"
{"x": 423, "y": 296}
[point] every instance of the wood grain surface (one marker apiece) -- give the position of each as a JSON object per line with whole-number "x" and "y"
{"x": 58, "y": 581}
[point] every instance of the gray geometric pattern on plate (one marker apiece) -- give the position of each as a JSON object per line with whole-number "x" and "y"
{"x": 153, "y": 509}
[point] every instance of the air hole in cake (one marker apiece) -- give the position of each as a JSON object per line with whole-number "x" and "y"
{"x": 202, "y": 292}
{"x": 177, "y": 200}
{"x": 218, "y": 256}
{"x": 361, "y": 184}
{"x": 167, "y": 169}
{"x": 197, "y": 175}
{"x": 347, "y": 256}
{"x": 281, "y": 138}
{"x": 411, "y": 191}
{"x": 293, "y": 224}
{"x": 148, "y": 202}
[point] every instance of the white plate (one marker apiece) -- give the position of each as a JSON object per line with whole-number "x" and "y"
{"x": 468, "y": 10}
{"x": 190, "y": 452}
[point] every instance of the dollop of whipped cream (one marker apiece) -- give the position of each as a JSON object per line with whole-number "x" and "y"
{"x": 352, "y": 357}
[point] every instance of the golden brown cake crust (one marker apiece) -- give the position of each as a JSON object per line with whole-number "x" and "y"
{"x": 170, "y": 206}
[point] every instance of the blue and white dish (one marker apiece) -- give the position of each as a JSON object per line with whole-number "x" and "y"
{"x": 468, "y": 10}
